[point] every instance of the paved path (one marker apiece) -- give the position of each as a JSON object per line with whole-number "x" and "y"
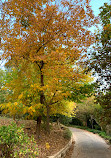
{"x": 89, "y": 145}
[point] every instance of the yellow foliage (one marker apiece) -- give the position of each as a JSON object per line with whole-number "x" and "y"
{"x": 47, "y": 146}
{"x": 4, "y": 88}
{"x": 20, "y": 96}
{"x": 15, "y": 103}
{"x": 43, "y": 44}
{"x": 66, "y": 108}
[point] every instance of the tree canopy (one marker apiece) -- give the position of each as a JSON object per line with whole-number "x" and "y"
{"x": 43, "y": 40}
{"x": 100, "y": 62}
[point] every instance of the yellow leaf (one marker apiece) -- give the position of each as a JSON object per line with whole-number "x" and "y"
{"x": 47, "y": 146}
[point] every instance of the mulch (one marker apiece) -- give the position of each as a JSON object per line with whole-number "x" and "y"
{"x": 70, "y": 151}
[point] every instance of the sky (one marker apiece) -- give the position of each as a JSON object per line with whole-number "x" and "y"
{"x": 95, "y": 4}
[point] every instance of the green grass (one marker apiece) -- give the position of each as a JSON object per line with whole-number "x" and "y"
{"x": 67, "y": 134}
{"x": 100, "y": 133}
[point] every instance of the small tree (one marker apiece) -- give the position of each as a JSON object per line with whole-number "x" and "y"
{"x": 2, "y": 83}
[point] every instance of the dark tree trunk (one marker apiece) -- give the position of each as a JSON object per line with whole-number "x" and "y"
{"x": 86, "y": 120}
{"x": 58, "y": 123}
{"x": 38, "y": 126}
{"x": 91, "y": 121}
{"x": 92, "y": 124}
{"x": 48, "y": 120}
{"x": 41, "y": 99}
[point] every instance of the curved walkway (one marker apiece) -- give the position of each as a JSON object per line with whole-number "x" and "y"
{"x": 89, "y": 145}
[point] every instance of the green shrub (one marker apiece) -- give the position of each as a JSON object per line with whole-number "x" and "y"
{"x": 67, "y": 134}
{"x": 15, "y": 143}
{"x": 44, "y": 126}
{"x": 97, "y": 127}
{"x": 65, "y": 120}
{"x": 76, "y": 121}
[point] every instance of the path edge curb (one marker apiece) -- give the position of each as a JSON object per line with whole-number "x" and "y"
{"x": 62, "y": 152}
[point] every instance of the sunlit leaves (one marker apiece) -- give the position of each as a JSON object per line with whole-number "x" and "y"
{"x": 43, "y": 40}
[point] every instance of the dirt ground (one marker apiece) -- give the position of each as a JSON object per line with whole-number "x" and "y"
{"x": 55, "y": 140}
{"x": 70, "y": 151}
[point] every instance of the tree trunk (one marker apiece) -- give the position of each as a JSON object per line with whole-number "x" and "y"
{"x": 38, "y": 126}
{"x": 91, "y": 116}
{"x": 86, "y": 120}
{"x": 40, "y": 117}
{"x": 92, "y": 124}
{"x": 58, "y": 123}
{"x": 41, "y": 99}
{"x": 48, "y": 120}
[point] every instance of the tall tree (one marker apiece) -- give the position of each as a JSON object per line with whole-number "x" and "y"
{"x": 101, "y": 59}
{"x": 50, "y": 34}
{"x": 88, "y": 110}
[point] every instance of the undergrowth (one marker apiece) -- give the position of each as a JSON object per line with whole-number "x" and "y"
{"x": 15, "y": 143}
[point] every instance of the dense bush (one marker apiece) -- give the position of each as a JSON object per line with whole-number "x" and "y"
{"x": 67, "y": 134}
{"x": 76, "y": 121}
{"x": 15, "y": 143}
{"x": 44, "y": 126}
{"x": 97, "y": 127}
{"x": 65, "y": 120}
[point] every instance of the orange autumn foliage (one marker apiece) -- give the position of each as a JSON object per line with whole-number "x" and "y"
{"x": 51, "y": 35}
